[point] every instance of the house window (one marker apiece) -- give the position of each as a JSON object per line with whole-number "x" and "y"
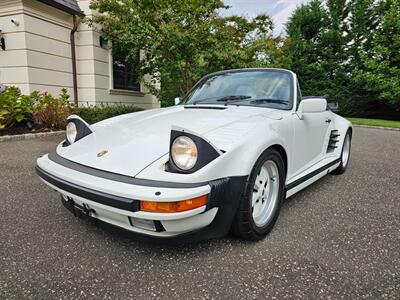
{"x": 124, "y": 75}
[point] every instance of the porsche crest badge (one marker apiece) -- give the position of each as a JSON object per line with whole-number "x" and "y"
{"x": 102, "y": 153}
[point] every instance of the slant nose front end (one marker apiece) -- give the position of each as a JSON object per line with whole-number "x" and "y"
{"x": 177, "y": 211}
{"x": 96, "y": 172}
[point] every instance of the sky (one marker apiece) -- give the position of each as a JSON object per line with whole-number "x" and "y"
{"x": 279, "y": 10}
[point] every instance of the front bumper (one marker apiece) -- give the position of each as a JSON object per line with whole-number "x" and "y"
{"x": 116, "y": 201}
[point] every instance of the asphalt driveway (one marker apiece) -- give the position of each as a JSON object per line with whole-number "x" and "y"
{"x": 340, "y": 238}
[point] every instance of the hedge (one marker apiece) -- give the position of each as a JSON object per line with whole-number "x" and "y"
{"x": 42, "y": 110}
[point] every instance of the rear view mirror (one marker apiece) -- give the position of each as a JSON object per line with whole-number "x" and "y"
{"x": 311, "y": 105}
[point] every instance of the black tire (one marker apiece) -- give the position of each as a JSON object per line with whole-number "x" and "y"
{"x": 243, "y": 224}
{"x": 343, "y": 167}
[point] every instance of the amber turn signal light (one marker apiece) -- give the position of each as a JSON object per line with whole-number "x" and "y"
{"x": 173, "y": 207}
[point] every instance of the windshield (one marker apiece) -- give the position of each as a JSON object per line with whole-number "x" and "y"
{"x": 269, "y": 88}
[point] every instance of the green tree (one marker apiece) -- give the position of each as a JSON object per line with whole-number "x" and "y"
{"x": 349, "y": 51}
{"x": 379, "y": 71}
{"x": 362, "y": 22}
{"x": 184, "y": 40}
{"x": 318, "y": 41}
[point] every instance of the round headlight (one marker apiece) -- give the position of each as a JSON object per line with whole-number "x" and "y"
{"x": 184, "y": 153}
{"x": 71, "y": 132}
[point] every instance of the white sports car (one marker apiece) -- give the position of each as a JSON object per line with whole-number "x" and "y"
{"x": 223, "y": 159}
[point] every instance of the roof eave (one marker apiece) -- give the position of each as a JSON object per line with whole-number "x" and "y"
{"x": 64, "y": 8}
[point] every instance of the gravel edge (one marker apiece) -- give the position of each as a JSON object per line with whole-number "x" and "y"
{"x": 28, "y": 136}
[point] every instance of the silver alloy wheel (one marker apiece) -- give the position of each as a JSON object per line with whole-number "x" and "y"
{"x": 346, "y": 151}
{"x": 265, "y": 193}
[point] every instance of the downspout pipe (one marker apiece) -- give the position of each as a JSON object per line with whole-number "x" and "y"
{"x": 73, "y": 58}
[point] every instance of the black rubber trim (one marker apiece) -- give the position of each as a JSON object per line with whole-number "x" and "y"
{"x": 53, "y": 156}
{"x": 159, "y": 227}
{"x": 311, "y": 175}
{"x": 96, "y": 196}
{"x": 81, "y": 128}
{"x": 204, "y": 107}
{"x": 207, "y": 153}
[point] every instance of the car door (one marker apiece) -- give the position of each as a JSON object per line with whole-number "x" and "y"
{"x": 309, "y": 135}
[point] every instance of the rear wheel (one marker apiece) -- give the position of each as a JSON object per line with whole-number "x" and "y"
{"x": 260, "y": 204}
{"x": 345, "y": 156}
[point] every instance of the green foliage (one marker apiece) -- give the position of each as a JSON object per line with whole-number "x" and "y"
{"x": 349, "y": 51}
{"x": 14, "y": 107}
{"x": 47, "y": 111}
{"x": 94, "y": 114}
{"x": 185, "y": 40}
{"x": 51, "y": 112}
{"x": 317, "y": 49}
{"x": 380, "y": 69}
{"x": 42, "y": 108}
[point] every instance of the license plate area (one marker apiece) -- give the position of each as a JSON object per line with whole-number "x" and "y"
{"x": 76, "y": 208}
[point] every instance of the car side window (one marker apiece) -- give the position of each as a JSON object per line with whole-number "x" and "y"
{"x": 298, "y": 95}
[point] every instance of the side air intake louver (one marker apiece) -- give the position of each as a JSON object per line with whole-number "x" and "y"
{"x": 333, "y": 140}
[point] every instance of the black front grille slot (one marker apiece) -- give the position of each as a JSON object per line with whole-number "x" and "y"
{"x": 333, "y": 140}
{"x": 204, "y": 107}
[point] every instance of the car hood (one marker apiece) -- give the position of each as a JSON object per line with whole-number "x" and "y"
{"x": 134, "y": 141}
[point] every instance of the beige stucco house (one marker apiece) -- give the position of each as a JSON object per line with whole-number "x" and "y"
{"x": 43, "y": 46}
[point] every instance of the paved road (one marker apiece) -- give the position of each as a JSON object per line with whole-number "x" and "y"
{"x": 338, "y": 238}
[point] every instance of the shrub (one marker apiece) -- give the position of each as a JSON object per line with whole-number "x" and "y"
{"x": 94, "y": 114}
{"x": 47, "y": 111}
{"x": 14, "y": 107}
{"x": 51, "y": 112}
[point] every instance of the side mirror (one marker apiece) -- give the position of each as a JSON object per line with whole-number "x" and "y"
{"x": 312, "y": 105}
{"x": 177, "y": 100}
{"x": 333, "y": 106}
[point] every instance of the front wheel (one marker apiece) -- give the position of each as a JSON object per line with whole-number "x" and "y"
{"x": 345, "y": 157}
{"x": 260, "y": 204}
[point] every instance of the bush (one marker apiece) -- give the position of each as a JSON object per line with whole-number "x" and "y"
{"x": 47, "y": 111}
{"x": 51, "y": 112}
{"x": 94, "y": 114}
{"x": 14, "y": 107}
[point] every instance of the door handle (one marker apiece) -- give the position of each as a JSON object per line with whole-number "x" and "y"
{"x": 327, "y": 121}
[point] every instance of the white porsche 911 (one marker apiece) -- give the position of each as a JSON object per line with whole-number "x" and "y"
{"x": 224, "y": 158}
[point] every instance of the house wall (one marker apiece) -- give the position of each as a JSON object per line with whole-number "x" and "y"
{"x": 38, "y": 55}
{"x": 47, "y": 35}
{"x": 13, "y": 61}
{"x": 95, "y": 70}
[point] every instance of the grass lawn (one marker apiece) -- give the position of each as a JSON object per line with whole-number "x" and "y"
{"x": 374, "y": 122}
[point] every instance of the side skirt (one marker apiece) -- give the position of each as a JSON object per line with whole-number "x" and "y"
{"x": 299, "y": 184}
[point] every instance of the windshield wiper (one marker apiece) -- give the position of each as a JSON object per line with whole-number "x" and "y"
{"x": 269, "y": 100}
{"x": 223, "y": 99}
{"x": 232, "y": 98}
{"x": 202, "y": 100}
